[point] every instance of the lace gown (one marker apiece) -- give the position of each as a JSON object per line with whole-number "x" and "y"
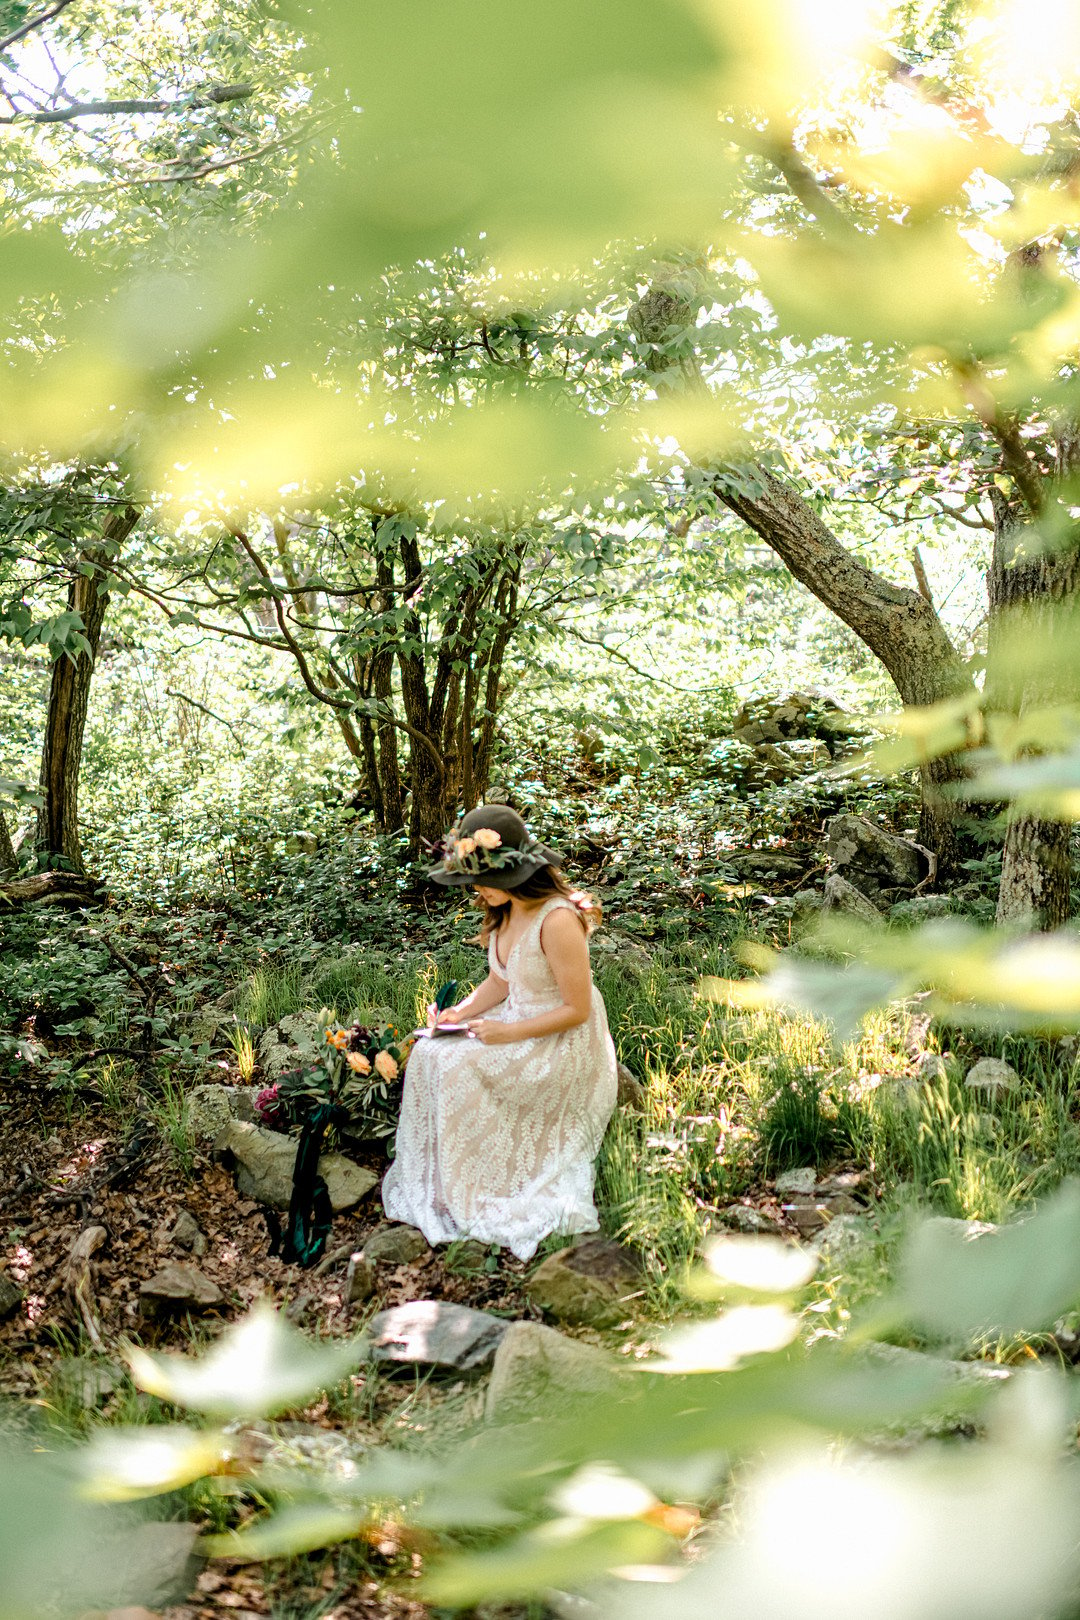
{"x": 498, "y": 1142}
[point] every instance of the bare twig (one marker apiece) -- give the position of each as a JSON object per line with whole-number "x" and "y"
{"x": 158, "y": 104}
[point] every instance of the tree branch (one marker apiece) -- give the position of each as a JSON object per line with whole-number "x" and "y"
{"x": 29, "y": 26}
{"x": 104, "y": 109}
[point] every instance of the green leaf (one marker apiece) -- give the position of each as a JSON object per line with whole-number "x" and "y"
{"x": 120, "y": 1465}
{"x": 258, "y": 1367}
{"x": 1017, "y": 1280}
{"x": 301, "y": 1528}
{"x": 565, "y": 1552}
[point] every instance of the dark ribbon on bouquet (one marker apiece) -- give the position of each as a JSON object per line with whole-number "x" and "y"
{"x": 310, "y": 1211}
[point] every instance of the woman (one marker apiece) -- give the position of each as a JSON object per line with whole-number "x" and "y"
{"x": 499, "y": 1129}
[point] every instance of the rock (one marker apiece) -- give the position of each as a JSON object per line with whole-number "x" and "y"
{"x": 278, "y": 1447}
{"x": 842, "y": 896}
{"x": 592, "y": 1282}
{"x": 932, "y": 1066}
{"x": 840, "y": 1236}
{"x": 359, "y": 1280}
{"x": 807, "y": 1216}
{"x": 921, "y": 908}
{"x": 187, "y": 1234}
{"x": 10, "y": 1297}
{"x": 859, "y": 846}
{"x": 211, "y": 1107}
{"x": 775, "y": 763}
{"x": 395, "y": 1245}
{"x": 1068, "y": 1049}
{"x": 88, "y": 1381}
{"x": 808, "y": 753}
{"x": 993, "y": 1076}
{"x": 745, "y": 1218}
{"x": 844, "y": 1183}
{"x": 433, "y": 1333}
{"x": 631, "y": 1093}
{"x": 178, "y": 1287}
{"x": 796, "y": 1183}
{"x": 290, "y": 1044}
{"x": 265, "y": 1161}
{"x": 535, "y": 1364}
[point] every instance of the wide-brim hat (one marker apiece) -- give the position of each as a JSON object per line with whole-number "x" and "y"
{"x": 493, "y": 846}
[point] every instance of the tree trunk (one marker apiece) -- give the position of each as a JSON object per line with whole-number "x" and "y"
{"x": 69, "y": 691}
{"x": 1029, "y": 587}
{"x": 899, "y": 625}
{"x": 8, "y": 862}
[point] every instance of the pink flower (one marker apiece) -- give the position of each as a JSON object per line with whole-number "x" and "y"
{"x": 357, "y": 1061}
{"x": 487, "y": 838}
{"x": 464, "y": 846}
{"x": 268, "y": 1104}
{"x": 386, "y": 1065}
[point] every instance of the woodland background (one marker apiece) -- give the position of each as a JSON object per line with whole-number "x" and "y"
{"x": 661, "y": 417}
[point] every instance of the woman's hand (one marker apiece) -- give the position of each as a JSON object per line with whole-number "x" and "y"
{"x": 492, "y": 1031}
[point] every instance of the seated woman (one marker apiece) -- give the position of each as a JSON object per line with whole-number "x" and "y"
{"x": 499, "y": 1133}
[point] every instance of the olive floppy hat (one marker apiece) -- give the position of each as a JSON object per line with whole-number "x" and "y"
{"x": 493, "y": 846}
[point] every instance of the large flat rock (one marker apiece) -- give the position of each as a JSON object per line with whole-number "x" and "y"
{"x": 264, "y": 1167}
{"x": 433, "y": 1333}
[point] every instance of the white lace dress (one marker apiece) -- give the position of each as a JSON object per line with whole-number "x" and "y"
{"x": 499, "y": 1142}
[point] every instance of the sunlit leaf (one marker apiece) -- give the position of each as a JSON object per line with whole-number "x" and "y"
{"x": 260, "y": 1366}
{"x": 564, "y": 1553}
{"x": 120, "y": 1465}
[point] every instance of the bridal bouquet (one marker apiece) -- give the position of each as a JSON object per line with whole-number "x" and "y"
{"x": 357, "y": 1075}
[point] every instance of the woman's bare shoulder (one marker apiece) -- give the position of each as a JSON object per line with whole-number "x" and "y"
{"x": 562, "y": 925}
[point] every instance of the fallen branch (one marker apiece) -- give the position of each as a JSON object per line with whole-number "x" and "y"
{"x": 52, "y": 889}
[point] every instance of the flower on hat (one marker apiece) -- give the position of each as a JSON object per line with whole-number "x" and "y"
{"x": 357, "y": 1061}
{"x": 465, "y": 846}
{"x": 386, "y": 1065}
{"x": 487, "y": 838}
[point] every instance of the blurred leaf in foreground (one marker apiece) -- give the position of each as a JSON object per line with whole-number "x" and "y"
{"x": 1017, "y": 1280}
{"x": 259, "y": 1367}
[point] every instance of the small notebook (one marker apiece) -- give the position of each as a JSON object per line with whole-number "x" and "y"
{"x": 441, "y": 1030}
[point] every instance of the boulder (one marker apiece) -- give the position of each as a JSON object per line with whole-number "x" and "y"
{"x": 177, "y": 1287}
{"x": 10, "y": 1297}
{"x": 842, "y": 896}
{"x": 796, "y": 1183}
{"x": 921, "y": 908}
{"x": 840, "y": 1236}
{"x": 265, "y": 1161}
{"x": 211, "y": 1107}
{"x": 303, "y": 1447}
{"x": 992, "y": 1076}
{"x": 433, "y": 1333}
{"x": 807, "y": 1215}
{"x": 591, "y": 1282}
{"x": 881, "y": 860}
{"x": 932, "y": 1066}
{"x": 187, "y": 1234}
{"x": 290, "y": 1044}
{"x": 535, "y": 1365}
{"x": 395, "y": 1245}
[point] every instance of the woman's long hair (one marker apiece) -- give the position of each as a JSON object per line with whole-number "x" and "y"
{"x": 543, "y": 885}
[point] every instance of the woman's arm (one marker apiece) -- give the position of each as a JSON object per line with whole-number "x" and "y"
{"x": 488, "y": 994}
{"x": 563, "y": 941}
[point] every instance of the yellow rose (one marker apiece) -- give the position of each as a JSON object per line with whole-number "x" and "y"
{"x": 357, "y": 1061}
{"x": 464, "y": 846}
{"x": 487, "y": 838}
{"x": 386, "y": 1065}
